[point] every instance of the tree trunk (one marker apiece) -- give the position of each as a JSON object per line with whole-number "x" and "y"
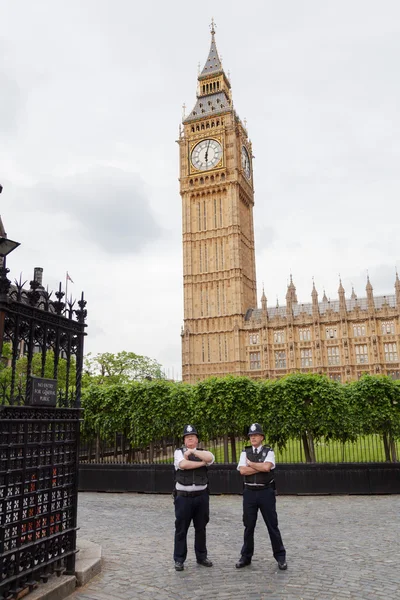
{"x": 233, "y": 447}
{"x": 387, "y": 447}
{"x": 151, "y": 452}
{"x": 393, "y": 450}
{"x": 306, "y": 447}
{"x": 226, "y": 449}
{"x": 97, "y": 457}
{"x": 311, "y": 446}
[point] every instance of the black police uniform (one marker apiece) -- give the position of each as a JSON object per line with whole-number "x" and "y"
{"x": 191, "y": 504}
{"x": 259, "y": 494}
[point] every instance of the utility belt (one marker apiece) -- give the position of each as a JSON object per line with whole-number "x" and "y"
{"x": 191, "y": 494}
{"x": 258, "y": 488}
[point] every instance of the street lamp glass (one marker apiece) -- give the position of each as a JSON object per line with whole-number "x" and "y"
{"x": 7, "y": 246}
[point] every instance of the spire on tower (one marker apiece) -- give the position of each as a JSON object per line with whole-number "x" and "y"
{"x": 213, "y": 62}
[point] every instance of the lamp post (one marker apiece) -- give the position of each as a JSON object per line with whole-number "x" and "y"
{"x": 6, "y": 247}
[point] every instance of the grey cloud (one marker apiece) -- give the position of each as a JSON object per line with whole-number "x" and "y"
{"x": 265, "y": 237}
{"x": 109, "y": 206}
{"x": 10, "y": 100}
{"x": 382, "y": 278}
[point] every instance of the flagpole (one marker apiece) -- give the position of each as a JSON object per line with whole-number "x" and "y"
{"x": 66, "y": 288}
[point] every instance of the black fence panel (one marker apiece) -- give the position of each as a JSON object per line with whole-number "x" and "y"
{"x": 38, "y": 491}
{"x": 296, "y": 479}
{"x": 39, "y": 432}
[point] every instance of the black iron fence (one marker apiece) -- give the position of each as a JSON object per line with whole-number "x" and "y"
{"x": 39, "y": 433}
{"x": 120, "y": 450}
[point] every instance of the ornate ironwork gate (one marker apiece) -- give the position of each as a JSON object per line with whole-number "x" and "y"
{"x": 38, "y": 443}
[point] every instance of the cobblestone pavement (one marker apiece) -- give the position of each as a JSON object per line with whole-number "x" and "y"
{"x": 338, "y": 548}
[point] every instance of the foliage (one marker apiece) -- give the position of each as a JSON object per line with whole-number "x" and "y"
{"x": 109, "y": 369}
{"x": 36, "y": 369}
{"x": 306, "y": 407}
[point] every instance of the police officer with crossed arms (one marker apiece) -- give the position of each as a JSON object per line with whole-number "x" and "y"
{"x": 191, "y": 498}
{"x": 256, "y": 464}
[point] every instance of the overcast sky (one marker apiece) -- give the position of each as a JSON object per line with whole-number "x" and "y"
{"x": 91, "y": 95}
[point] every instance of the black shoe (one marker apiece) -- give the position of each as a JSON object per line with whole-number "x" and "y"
{"x": 282, "y": 565}
{"x": 205, "y": 562}
{"x": 179, "y": 566}
{"x": 242, "y": 562}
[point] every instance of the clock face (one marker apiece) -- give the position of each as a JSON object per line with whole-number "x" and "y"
{"x": 246, "y": 162}
{"x": 206, "y": 154}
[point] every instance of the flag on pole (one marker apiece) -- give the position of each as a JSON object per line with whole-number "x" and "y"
{"x": 69, "y": 278}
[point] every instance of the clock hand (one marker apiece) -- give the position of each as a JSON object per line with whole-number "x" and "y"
{"x": 206, "y": 154}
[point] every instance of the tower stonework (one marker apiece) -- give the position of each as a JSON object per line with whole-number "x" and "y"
{"x": 216, "y": 186}
{"x": 224, "y": 331}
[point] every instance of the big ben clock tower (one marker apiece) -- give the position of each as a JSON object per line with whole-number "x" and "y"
{"x": 216, "y": 186}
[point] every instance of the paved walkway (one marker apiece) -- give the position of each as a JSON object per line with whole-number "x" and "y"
{"x": 338, "y": 548}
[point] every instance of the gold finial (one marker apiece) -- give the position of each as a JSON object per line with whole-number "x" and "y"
{"x": 212, "y": 26}
{"x": 183, "y": 110}
{"x": 245, "y": 123}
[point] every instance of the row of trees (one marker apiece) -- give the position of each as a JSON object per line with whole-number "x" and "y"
{"x": 299, "y": 406}
{"x": 126, "y": 393}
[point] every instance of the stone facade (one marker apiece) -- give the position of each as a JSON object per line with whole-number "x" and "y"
{"x": 224, "y": 332}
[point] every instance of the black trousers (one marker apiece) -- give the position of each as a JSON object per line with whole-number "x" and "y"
{"x": 187, "y": 509}
{"x": 265, "y": 501}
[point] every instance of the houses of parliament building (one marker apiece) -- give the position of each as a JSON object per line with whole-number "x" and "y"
{"x": 224, "y": 331}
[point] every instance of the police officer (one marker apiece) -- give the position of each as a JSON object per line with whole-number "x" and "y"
{"x": 256, "y": 464}
{"x": 191, "y": 498}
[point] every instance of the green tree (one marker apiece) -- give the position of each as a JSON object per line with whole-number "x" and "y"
{"x": 376, "y": 404}
{"x": 307, "y": 406}
{"x": 108, "y": 369}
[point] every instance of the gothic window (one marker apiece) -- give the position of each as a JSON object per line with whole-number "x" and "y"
{"x": 333, "y": 355}
{"x": 359, "y": 330}
{"x": 208, "y": 349}
{"x": 254, "y": 338}
{"x": 361, "y": 354}
{"x": 255, "y": 360}
{"x": 280, "y": 359}
{"x": 215, "y": 212}
{"x": 201, "y": 303}
{"x": 220, "y": 212}
{"x": 217, "y": 85}
{"x": 305, "y": 335}
{"x": 218, "y": 300}
{"x": 391, "y": 352}
{"x": 394, "y": 374}
{"x": 205, "y": 215}
{"x": 205, "y": 258}
{"x": 219, "y": 348}
{"x": 216, "y": 255}
{"x": 226, "y": 349}
{"x": 279, "y": 337}
{"x": 331, "y": 333}
{"x": 335, "y": 377}
{"x": 200, "y": 258}
{"x": 387, "y": 327}
{"x": 198, "y": 216}
{"x": 306, "y": 357}
{"x": 202, "y": 349}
